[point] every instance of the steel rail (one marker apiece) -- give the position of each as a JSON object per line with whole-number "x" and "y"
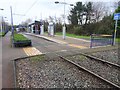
{"x": 90, "y": 72}
{"x": 14, "y": 74}
{"x": 101, "y": 60}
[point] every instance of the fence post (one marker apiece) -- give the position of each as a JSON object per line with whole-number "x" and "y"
{"x": 91, "y": 41}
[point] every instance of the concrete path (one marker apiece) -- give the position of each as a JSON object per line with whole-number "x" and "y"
{"x": 73, "y": 42}
{"x": 40, "y": 45}
{"x": 9, "y": 54}
{"x": 0, "y": 63}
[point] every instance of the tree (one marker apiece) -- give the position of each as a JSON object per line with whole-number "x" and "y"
{"x": 51, "y": 19}
{"x": 99, "y": 10}
{"x": 88, "y": 12}
{"x": 76, "y": 14}
{"x": 73, "y": 17}
{"x": 106, "y": 25}
{"x": 79, "y": 11}
{"x": 117, "y": 10}
{"x": 26, "y": 22}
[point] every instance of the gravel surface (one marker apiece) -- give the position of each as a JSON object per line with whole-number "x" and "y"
{"x": 42, "y": 72}
{"x": 106, "y": 71}
{"x": 109, "y": 55}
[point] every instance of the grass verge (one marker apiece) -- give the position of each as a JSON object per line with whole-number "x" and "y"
{"x": 82, "y": 37}
{"x": 118, "y": 40}
{"x": 37, "y": 58}
{"x": 73, "y": 35}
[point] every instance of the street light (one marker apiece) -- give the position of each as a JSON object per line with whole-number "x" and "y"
{"x": 56, "y": 2}
{"x": 2, "y": 24}
{"x": 12, "y": 29}
{"x": 5, "y": 24}
{"x": 64, "y": 28}
{"x": 1, "y": 9}
{"x": 2, "y": 20}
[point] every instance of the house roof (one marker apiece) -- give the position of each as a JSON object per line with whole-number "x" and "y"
{"x": 36, "y": 23}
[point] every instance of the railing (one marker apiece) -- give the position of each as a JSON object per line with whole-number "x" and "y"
{"x": 101, "y": 40}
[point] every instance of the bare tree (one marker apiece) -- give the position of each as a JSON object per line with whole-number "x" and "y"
{"x": 99, "y": 10}
{"x": 26, "y": 22}
{"x": 51, "y": 19}
{"x": 115, "y": 5}
{"x": 59, "y": 20}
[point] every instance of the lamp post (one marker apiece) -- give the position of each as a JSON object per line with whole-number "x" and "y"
{"x": 12, "y": 22}
{"x": 64, "y": 28}
{"x": 3, "y": 24}
{"x": 12, "y": 29}
{"x": 2, "y": 20}
{"x": 1, "y": 9}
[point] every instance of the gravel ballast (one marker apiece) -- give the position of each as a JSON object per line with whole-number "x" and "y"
{"x": 108, "y": 55}
{"x": 42, "y": 72}
{"x": 107, "y": 71}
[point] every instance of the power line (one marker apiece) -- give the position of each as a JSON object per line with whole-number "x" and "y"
{"x": 31, "y": 7}
{"x": 19, "y": 14}
{"x": 15, "y": 6}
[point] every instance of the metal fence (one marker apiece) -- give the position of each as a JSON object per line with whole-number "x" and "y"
{"x": 101, "y": 40}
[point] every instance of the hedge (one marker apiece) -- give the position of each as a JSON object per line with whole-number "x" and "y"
{"x": 2, "y": 34}
{"x": 21, "y": 41}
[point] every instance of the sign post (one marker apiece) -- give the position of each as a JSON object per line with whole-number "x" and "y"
{"x": 116, "y": 17}
{"x": 12, "y": 25}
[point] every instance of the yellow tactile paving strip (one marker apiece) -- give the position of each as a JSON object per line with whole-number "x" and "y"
{"x": 31, "y": 51}
{"x": 55, "y": 40}
{"x": 77, "y": 46}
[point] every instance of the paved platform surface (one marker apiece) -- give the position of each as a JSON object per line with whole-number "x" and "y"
{"x": 73, "y": 42}
{"x": 0, "y": 63}
{"x": 9, "y": 54}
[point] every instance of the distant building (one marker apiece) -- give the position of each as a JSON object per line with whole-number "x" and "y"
{"x": 35, "y": 27}
{"x": 21, "y": 28}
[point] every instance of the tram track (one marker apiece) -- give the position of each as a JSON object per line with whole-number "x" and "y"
{"x": 101, "y": 60}
{"x": 75, "y": 65}
{"x": 90, "y": 72}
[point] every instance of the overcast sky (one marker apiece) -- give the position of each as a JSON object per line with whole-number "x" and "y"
{"x": 36, "y": 9}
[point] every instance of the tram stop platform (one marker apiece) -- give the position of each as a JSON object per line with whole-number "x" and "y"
{"x": 74, "y": 42}
{"x": 70, "y": 41}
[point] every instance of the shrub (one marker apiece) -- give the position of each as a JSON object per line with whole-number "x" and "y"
{"x": 19, "y": 37}
{"x": 20, "y": 40}
{"x": 78, "y": 30}
{"x": 70, "y": 29}
{"x": 58, "y": 27}
{"x": 2, "y": 34}
{"x": 46, "y": 26}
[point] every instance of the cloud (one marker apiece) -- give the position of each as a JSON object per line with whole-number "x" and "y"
{"x": 34, "y": 8}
